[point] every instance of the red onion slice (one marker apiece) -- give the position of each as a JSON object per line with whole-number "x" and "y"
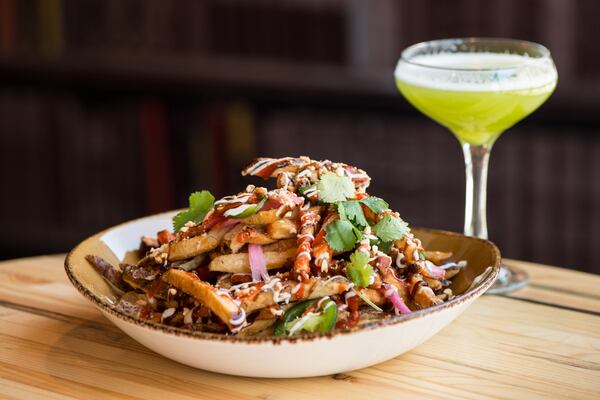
{"x": 435, "y": 270}
{"x": 258, "y": 266}
{"x": 227, "y": 223}
{"x": 392, "y": 294}
{"x": 271, "y": 204}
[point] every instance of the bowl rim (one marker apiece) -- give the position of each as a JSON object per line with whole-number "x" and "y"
{"x": 219, "y": 337}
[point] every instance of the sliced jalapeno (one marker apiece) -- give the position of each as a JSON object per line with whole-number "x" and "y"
{"x": 244, "y": 210}
{"x": 322, "y": 320}
{"x": 291, "y": 314}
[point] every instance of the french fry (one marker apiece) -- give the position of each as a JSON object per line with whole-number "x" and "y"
{"x": 233, "y": 232}
{"x": 282, "y": 229}
{"x": 240, "y": 262}
{"x": 222, "y": 306}
{"x": 423, "y": 295}
{"x": 285, "y": 164}
{"x": 256, "y": 327}
{"x": 249, "y": 234}
{"x": 375, "y": 296}
{"x": 437, "y": 257}
{"x": 263, "y": 320}
{"x": 261, "y": 218}
{"x": 189, "y": 265}
{"x": 310, "y": 289}
{"x": 188, "y": 248}
{"x": 281, "y": 245}
{"x": 113, "y": 274}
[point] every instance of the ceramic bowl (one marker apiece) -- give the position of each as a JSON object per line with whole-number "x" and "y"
{"x": 300, "y": 356}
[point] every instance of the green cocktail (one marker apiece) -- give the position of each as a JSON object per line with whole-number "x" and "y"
{"x": 477, "y": 112}
{"x": 477, "y": 88}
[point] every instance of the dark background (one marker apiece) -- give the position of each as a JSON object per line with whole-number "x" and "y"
{"x": 113, "y": 109}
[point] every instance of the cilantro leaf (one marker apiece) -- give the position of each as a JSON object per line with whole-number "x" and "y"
{"x": 376, "y": 204}
{"x": 200, "y": 204}
{"x": 390, "y": 228}
{"x": 333, "y": 188}
{"x": 358, "y": 269}
{"x": 352, "y": 211}
{"x": 385, "y": 247}
{"x": 341, "y": 235}
{"x": 341, "y": 209}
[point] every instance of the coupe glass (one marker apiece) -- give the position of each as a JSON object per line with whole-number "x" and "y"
{"x": 478, "y": 88}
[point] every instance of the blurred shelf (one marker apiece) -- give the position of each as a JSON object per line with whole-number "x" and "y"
{"x": 270, "y": 80}
{"x": 197, "y": 72}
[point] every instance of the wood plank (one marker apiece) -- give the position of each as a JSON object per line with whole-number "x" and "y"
{"x": 53, "y": 344}
{"x": 559, "y": 286}
{"x": 560, "y": 278}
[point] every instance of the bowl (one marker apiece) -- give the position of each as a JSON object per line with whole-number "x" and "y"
{"x": 283, "y": 357}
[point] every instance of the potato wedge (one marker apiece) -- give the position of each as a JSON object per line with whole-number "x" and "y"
{"x": 437, "y": 257}
{"x": 220, "y": 304}
{"x": 261, "y": 218}
{"x": 249, "y": 234}
{"x": 282, "y": 229}
{"x": 188, "y": 248}
{"x": 189, "y": 265}
{"x": 240, "y": 263}
{"x": 233, "y": 232}
{"x": 256, "y": 326}
{"x": 375, "y": 296}
{"x": 281, "y": 245}
{"x": 309, "y": 289}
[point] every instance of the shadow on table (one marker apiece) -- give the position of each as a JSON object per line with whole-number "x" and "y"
{"x": 95, "y": 354}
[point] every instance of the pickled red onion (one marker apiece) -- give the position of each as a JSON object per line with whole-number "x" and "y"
{"x": 437, "y": 271}
{"x": 392, "y": 294}
{"x": 258, "y": 266}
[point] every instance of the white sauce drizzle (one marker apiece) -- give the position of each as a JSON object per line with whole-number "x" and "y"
{"x": 188, "y": 316}
{"x": 233, "y": 199}
{"x": 306, "y": 236}
{"x": 238, "y": 319}
{"x": 167, "y": 313}
{"x": 296, "y": 288}
{"x": 300, "y": 322}
{"x": 232, "y": 212}
{"x": 399, "y": 259}
{"x": 349, "y": 295}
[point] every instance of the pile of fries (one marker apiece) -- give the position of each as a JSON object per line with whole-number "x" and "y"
{"x": 315, "y": 254}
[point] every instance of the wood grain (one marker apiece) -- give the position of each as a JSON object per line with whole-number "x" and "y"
{"x": 54, "y": 344}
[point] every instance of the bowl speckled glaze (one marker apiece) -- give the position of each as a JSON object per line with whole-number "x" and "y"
{"x": 298, "y": 356}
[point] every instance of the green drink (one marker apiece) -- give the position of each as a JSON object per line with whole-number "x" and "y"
{"x": 477, "y": 88}
{"x": 477, "y": 105}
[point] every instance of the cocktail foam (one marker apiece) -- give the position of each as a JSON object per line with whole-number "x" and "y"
{"x": 468, "y": 72}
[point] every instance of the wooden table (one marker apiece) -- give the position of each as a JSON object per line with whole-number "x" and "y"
{"x": 541, "y": 342}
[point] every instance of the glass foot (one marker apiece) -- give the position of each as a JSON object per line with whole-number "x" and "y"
{"x": 509, "y": 279}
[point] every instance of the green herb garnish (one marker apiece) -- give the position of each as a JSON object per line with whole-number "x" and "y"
{"x": 322, "y": 320}
{"x": 376, "y": 204}
{"x": 342, "y": 235}
{"x": 358, "y": 269}
{"x": 384, "y": 247}
{"x": 352, "y": 211}
{"x": 200, "y": 204}
{"x": 333, "y": 188}
{"x": 390, "y": 228}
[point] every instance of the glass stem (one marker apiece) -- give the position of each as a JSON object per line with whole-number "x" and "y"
{"x": 476, "y": 168}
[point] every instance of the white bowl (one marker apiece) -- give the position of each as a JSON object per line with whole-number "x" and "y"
{"x": 283, "y": 357}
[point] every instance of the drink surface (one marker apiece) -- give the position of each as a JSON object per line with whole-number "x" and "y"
{"x": 476, "y": 95}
